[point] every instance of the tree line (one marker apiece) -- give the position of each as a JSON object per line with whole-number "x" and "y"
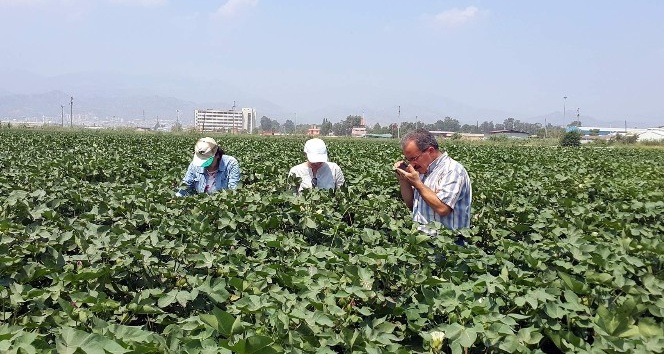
{"x": 344, "y": 127}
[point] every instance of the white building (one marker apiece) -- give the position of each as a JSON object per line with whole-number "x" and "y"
{"x": 601, "y": 131}
{"x": 358, "y": 132}
{"x": 652, "y": 134}
{"x": 231, "y": 121}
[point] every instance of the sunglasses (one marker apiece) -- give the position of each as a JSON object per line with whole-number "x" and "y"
{"x": 314, "y": 181}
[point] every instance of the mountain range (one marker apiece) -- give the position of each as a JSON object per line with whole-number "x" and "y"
{"x": 111, "y": 98}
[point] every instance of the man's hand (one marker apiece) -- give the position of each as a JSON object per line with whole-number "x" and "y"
{"x": 398, "y": 169}
{"x": 408, "y": 174}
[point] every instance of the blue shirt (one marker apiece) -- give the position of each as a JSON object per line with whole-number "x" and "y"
{"x": 196, "y": 178}
{"x": 451, "y": 183}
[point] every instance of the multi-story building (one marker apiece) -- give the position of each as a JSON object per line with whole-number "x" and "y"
{"x": 358, "y": 132}
{"x": 229, "y": 121}
{"x": 313, "y": 131}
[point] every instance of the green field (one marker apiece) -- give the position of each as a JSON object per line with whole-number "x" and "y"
{"x": 96, "y": 255}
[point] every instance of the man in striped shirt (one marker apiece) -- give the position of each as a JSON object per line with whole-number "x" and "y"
{"x": 433, "y": 185}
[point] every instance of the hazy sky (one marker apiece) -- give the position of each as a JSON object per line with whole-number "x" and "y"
{"x": 516, "y": 56}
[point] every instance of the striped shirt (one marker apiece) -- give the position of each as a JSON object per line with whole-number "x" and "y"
{"x": 449, "y": 180}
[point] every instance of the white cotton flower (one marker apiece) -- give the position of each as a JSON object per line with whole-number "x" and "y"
{"x": 437, "y": 338}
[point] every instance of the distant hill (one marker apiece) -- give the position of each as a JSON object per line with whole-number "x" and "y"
{"x": 122, "y": 98}
{"x": 50, "y": 104}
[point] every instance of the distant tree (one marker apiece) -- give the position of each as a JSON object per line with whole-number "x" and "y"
{"x": 302, "y": 128}
{"x": 266, "y": 124}
{"x": 275, "y": 125}
{"x": 289, "y": 127}
{"x": 576, "y": 123}
{"x": 345, "y": 127}
{"x": 394, "y": 130}
{"x": 377, "y": 129}
{"x": 469, "y": 128}
{"x": 624, "y": 139}
{"x": 407, "y": 127}
{"x": 487, "y": 126}
{"x": 552, "y": 131}
{"x": 571, "y": 138}
{"x": 326, "y": 127}
{"x": 177, "y": 127}
{"x": 450, "y": 125}
{"x": 338, "y": 128}
{"x": 350, "y": 122}
{"x": 509, "y": 123}
{"x": 354, "y": 121}
{"x": 594, "y": 132}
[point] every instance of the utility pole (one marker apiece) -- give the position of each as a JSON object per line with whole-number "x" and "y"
{"x": 545, "y": 135}
{"x": 233, "y": 114}
{"x": 564, "y": 116}
{"x": 204, "y": 118}
{"x": 63, "y": 114}
{"x": 399, "y": 122}
{"x": 578, "y": 119}
{"x": 71, "y": 112}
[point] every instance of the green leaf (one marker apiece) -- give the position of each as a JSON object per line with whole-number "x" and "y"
{"x": 167, "y": 299}
{"x": 259, "y": 344}
{"x": 613, "y": 323}
{"x": 182, "y": 297}
{"x": 70, "y": 340}
{"x": 215, "y": 289}
{"x": 130, "y": 333}
{"x": 553, "y": 310}
{"x": 529, "y": 335}
{"x": 310, "y": 223}
{"x": 113, "y": 347}
{"x": 573, "y": 284}
{"x": 254, "y": 345}
{"x": 223, "y": 322}
{"x": 467, "y": 337}
{"x": 649, "y": 328}
{"x": 509, "y": 343}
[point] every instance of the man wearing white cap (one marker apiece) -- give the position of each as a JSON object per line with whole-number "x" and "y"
{"x": 210, "y": 170}
{"x": 317, "y": 172}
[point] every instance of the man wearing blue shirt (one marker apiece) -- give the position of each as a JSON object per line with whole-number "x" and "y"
{"x": 433, "y": 185}
{"x": 210, "y": 170}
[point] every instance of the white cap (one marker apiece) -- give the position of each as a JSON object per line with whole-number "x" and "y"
{"x": 205, "y": 149}
{"x": 316, "y": 150}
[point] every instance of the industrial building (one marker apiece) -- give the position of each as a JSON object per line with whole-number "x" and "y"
{"x": 228, "y": 121}
{"x": 602, "y": 131}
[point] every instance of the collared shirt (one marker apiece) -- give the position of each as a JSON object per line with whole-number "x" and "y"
{"x": 196, "y": 179}
{"x": 451, "y": 183}
{"x": 328, "y": 176}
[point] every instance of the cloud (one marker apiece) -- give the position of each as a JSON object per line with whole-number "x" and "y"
{"x": 455, "y": 17}
{"x": 233, "y": 8}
